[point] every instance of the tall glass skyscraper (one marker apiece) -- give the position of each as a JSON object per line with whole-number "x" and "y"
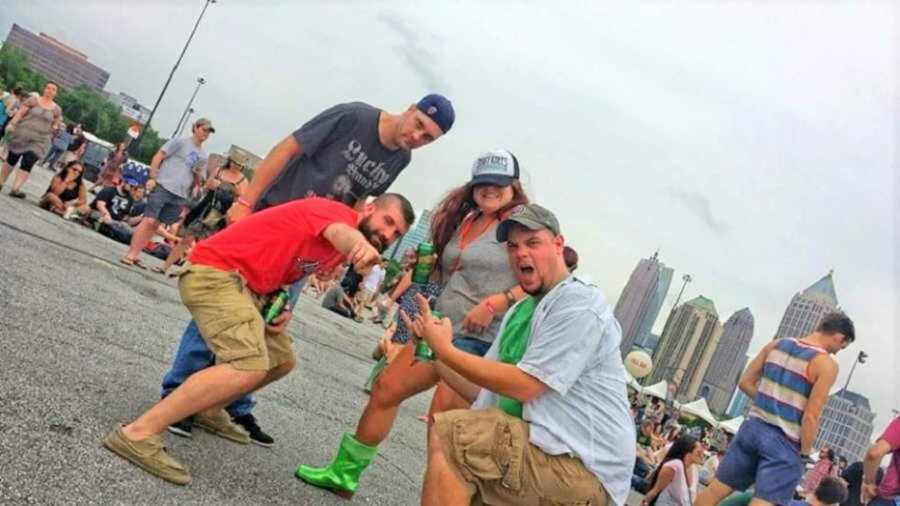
{"x": 728, "y": 361}
{"x": 807, "y": 308}
{"x": 641, "y": 299}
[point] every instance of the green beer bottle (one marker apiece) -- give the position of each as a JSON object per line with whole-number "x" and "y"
{"x": 275, "y": 306}
{"x": 424, "y": 262}
{"x": 423, "y": 352}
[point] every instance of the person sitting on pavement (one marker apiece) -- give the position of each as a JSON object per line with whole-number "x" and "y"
{"x": 551, "y": 422}
{"x": 674, "y": 483}
{"x": 112, "y": 207}
{"x": 67, "y": 193}
{"x": 830, "y": 491}
{"x": 337, "y": 301}
{"x": 227, "y": 280}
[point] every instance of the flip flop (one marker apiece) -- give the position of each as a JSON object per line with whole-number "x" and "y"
{"x": 157, "y": 269}
{"x": 132, "y": 263}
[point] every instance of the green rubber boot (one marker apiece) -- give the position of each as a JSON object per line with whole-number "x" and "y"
{"x": 342, "y": 475}
{"x": 376, "y": 371}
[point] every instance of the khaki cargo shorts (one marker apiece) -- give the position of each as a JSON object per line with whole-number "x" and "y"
{"x": 489, "y": 451}
{"x": 228, "y": 316}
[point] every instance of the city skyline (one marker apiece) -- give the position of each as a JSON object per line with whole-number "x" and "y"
{"x": 753, "y": 173}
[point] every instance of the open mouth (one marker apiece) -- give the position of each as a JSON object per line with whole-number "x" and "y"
{"x": 526, "y": 270}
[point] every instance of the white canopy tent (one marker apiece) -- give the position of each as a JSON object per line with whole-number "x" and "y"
{"x": 658, "y": 390}
{"x": 732, "y": 425}
{"x": 700, "y": 409}
{"x": 632, "y": 383}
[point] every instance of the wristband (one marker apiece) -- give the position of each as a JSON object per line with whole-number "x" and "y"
{"x": 490, "y": 307}
{"x": 510, "y": 298}
{"x": 242, "y": 201}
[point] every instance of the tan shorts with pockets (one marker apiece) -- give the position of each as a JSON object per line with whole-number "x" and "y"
{"x": 489, "y": 450}
{"x": 228, "y": 316}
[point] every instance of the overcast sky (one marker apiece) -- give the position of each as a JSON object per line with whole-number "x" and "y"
{"x": 755, "y": 146}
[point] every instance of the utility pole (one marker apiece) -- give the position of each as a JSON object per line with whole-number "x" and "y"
{"x": 200, "y": 82}
{"x": 860, "y": 359}
{"x": 134, "y": 147}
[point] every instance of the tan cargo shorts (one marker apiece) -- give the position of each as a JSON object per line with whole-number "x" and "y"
{"x": 489, "y": 451}
{"x": 227, "y": 314}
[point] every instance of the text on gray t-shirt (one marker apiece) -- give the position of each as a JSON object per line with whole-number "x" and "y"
{"x": 343, "y": 159}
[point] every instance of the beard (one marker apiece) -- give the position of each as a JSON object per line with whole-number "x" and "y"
{"x": 378, "y": 241}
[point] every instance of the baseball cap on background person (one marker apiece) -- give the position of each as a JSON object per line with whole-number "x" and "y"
{"x": 205, "y": 122}
{"x": 439, "y": 109}
{"x": 498, "y": 167}
{"x": 530, "y": 216}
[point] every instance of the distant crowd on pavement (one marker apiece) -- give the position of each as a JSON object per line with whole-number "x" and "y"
{"x": 530, "y": 402}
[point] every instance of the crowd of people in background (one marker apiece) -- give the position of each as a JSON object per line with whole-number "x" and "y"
{"x": 497, "y": 258}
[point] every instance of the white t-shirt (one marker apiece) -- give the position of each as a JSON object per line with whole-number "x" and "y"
{"x": 681, "y": 491}
{"x": 373, "y": 279}
{"x": 574, "y": 350}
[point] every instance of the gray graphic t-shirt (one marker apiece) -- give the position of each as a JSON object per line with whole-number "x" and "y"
{"x": 343, "y": 159}
{"x": 183, "y": 159}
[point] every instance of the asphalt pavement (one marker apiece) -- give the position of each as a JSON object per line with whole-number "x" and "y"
{"x": 85, "y": 342}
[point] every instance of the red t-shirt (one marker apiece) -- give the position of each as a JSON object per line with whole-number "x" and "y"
{"x": 277, "y": 246}
{"x": 890, "y": 485}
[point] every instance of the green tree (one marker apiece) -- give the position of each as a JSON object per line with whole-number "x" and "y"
{"x": 93, "y": 110}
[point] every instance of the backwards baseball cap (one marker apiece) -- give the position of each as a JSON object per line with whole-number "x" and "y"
{"x": 498, "y": 167}
{"x": 204, "y": 122}
{"x": 530, "y": 216}
{"x": 132, "y": 180}
{"x": 439, "y": 109}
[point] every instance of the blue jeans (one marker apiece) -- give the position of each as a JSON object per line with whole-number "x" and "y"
{"x": 194, "y": 355}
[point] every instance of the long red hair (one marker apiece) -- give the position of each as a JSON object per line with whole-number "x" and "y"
{"x": 456, "y": 206}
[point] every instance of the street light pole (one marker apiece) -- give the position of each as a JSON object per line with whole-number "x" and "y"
{"x": 200, "y": 82}
{"x": 860, "y": 359}
{"x": 687, "y": 279}
{"x": 137, "y": 142}
{"x": 187, "y": 120}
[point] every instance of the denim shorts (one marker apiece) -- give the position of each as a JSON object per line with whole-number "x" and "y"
{"x": 762, "y": 454}
{"x": 471, "y": 345}
{"x": 164, "y": 206}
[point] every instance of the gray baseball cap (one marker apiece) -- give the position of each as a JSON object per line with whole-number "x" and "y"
{"x": 531, "y": 216}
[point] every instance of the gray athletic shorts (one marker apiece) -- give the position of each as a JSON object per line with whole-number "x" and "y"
{"x": 164, "y": 206}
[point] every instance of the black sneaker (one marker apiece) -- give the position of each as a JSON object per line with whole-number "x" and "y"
{"x": 248, "y": 422}
{"x": 183, "y": 428}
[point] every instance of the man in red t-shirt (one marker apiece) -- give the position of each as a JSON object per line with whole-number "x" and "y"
{"x": 226, "y": 281}
{"x": 888, "y": 494}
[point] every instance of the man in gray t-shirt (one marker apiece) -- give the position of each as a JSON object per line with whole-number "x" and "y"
{"x": 173, "y": 170}
{"x": 346, "y": 153}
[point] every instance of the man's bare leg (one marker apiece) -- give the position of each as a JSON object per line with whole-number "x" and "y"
{"x": 202, "y": 390}
{"x": 19, "y": 182}
{"x": 442, "y": 486}
{"x": 272, "y": 376}
{"x": 142, "y": 235}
